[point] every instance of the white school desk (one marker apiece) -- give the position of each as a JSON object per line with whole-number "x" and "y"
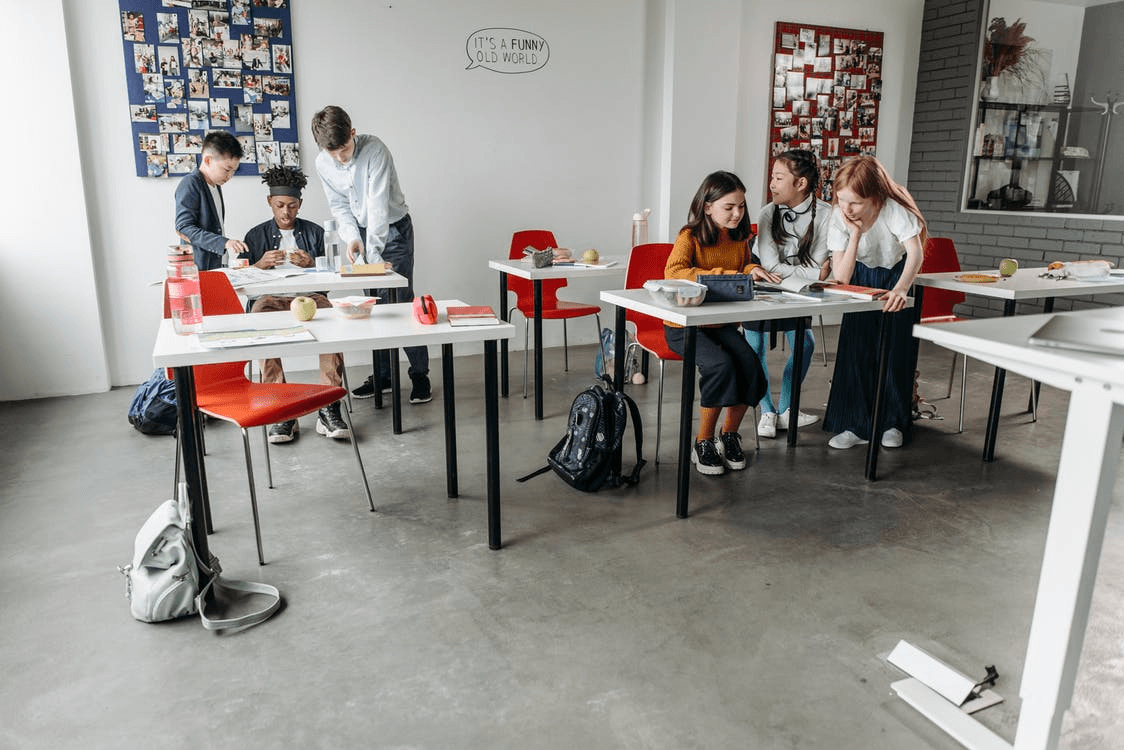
{"x": 1027, "y": 284}
{"x": 1083, "y": 494}
{"x": 331, "y": 281}
{"x": 525, "y": 270}
{"x": 709, "y": 313}
{"x": 389, "y": 327}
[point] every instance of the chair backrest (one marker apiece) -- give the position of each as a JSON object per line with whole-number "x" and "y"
{"x": 940, "y": 257}
{"x": 540, "y": 239}
{"x": 647, "y": 262}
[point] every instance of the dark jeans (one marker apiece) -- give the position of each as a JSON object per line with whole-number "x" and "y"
{"x": 399, "y": 253}
{"x": 729, "y": 371}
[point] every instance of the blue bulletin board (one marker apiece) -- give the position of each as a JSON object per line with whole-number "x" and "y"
{"x": 193, "y": 66}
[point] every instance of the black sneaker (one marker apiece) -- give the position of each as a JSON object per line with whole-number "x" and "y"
{"x": 284, "y": 432}
{"x": 706, "y": 458}
{"x": 421, "y": 392}
{"x": 730, "y": 448}
{"x": 330, "y": 423}
{"x": 367, "y": 390}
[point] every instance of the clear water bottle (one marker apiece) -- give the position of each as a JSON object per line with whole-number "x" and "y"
{"x": 333, "y": 247}
{"x": 184, "y": 298}
{"x": 640, "y": 227}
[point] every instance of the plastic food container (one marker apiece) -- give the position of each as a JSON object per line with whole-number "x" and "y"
{"x": 676, "y": 292}
{"x": 355, "y": 308}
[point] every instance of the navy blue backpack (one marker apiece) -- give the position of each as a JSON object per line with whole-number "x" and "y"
{"x": 153, "y": 410}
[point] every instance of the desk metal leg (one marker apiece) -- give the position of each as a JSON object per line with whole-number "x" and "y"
{"x": 492, "y": 442}
{"x": 395, "y": 393}
{"x": 1083, "y": 495}
{"x": 1036, "y": 387}
{"x": 193, "y": 472}
{"x": 686, "y": 422}
{"x": 915, "y": 349}
{"x": 449, "y": 399}
{"x": 996, "y": 398}
{"x": 797, "y": 372}
{"x": 538, "y": 349}
{"x": 503, "y": 344}
{"x": 880, "y": 386}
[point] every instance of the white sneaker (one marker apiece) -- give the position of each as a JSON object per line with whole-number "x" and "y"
{"x": 892, "y": 438}
{"x": 767, "y": 427}
{"x": 803, "y": 421}
{"x": 845, "y": 440}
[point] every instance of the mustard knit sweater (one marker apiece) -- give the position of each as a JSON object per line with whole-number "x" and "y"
{"x": 689, "y": 258}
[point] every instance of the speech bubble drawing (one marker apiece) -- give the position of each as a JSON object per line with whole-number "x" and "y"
{"x": 503, "y": 50}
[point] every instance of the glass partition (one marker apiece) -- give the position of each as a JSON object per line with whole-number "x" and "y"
{"x": 1051, "y": 89}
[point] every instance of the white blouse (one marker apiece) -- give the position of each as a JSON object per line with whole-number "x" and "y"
{"x": 881, "y": 245}
{"x": 783, "y": 260}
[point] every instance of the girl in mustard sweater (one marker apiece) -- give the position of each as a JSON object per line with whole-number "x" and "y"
{"x": 716, "y": 240}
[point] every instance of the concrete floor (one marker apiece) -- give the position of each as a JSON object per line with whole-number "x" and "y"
{"x": 762, "y": 621}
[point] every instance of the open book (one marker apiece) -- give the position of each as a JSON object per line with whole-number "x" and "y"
{"x": 794, "y": 287}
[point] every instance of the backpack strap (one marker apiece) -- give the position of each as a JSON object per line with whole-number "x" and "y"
{"x": 634, "y": 478}
{"x": 229, "y": 590}
{"x": 534, "y": 473}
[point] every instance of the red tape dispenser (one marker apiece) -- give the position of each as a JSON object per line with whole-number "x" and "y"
{"x": 425, "y": 310}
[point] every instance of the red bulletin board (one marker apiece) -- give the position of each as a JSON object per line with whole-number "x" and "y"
{"x": 827, "y": 83}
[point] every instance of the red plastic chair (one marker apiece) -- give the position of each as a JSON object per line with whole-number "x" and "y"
{"x": 644, "y": 263}
{"x": 224, "y": 391}
{"x": 552, "y": 307}
{"x": 937, "y": 304}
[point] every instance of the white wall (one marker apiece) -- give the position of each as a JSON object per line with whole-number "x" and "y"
{"x": 50, "y": 333}
{"x": 639, "y": 100}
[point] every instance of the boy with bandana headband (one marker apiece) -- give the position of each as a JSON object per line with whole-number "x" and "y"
{"x": 287, "y": 239}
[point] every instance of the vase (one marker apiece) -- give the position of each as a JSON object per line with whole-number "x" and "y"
{"x": 989, "y": 89}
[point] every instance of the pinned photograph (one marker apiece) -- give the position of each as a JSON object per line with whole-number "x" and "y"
{"x": 802, "y": 108}
{"x": 197, "y": 87}
{"x": 187, "y": 143}
{"x": 220, "y": 113}
{"x": 169, "y": 61}
{"x": 197, "y": 115}
{"x": 153, "y": 84}
{"x": 192, "y": 52}
{"x": 807, "y": 36}
{"x": 157, "y": 165}
{"x": 231, "y": 54}
{"x": 132, "y": 26}
{"x": 788, "y": 41}
{"x": 144, "y": 58}
{"x": 263, "y": 126}
{"x": 858, "y": 81}
{"x": 220, "y": 30}
{"x": 279, "y": 112}
{"x": 173, "y": 93}
{"x": 251, "y": 89}
{"x": 290, "y": 155}
{"x": 833, "y": 148}
{"x": 269, "y": 155}
{"x": 778, "y": 97}
{"x": 276, "y": 85}
{"x": 282, "y": 59}
{"x": 782, "y": 119}
{"x": 181, "y": 163}
{"x": 167, "y": 27}
{"x": 249, "y": 150}
{"x": 227, "y": 78}
{"x": 243, "y": 118}
{"x": 199, "y": 24}
{"x": 267, "y": 27}
{"x": 212, "y": 53}
{"x": 153, "y": 143}
{"x": 822, "y": 64}
{"x": 866, "y": 134}
{"x": 239, "y": 13}
{"x": 142, "y": 113}
{"x": 270, "y": 3}
{"x": 823, "y": 47}
{"x": 173, "y": 123}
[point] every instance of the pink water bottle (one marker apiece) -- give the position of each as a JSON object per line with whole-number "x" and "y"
{"x": 184, "y": 298}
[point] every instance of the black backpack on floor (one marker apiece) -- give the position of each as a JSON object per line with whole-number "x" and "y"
{"x": 153, "y": 410}
{"x": 594, "y": 435}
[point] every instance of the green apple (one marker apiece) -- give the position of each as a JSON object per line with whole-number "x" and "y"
{"x": 590, "y": 256}
{"x": 304, "y": 308}
{"x": 1008, "y": 266}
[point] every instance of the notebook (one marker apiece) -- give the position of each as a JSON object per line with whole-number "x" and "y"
{"x": 1084, "y": 334}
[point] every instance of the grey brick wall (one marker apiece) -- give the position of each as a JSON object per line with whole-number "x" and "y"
{"x": 946, "y": 86}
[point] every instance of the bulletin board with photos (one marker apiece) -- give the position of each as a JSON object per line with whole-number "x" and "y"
{"x": 827, "y": 83}
{"x": 193, "y": 66}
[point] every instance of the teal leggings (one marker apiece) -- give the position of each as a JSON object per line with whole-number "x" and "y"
{"x": 759, "y": 342}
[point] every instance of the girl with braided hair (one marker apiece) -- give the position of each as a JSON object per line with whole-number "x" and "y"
{"x": 876, "y": 235}
{"x": 791, "y": 241}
